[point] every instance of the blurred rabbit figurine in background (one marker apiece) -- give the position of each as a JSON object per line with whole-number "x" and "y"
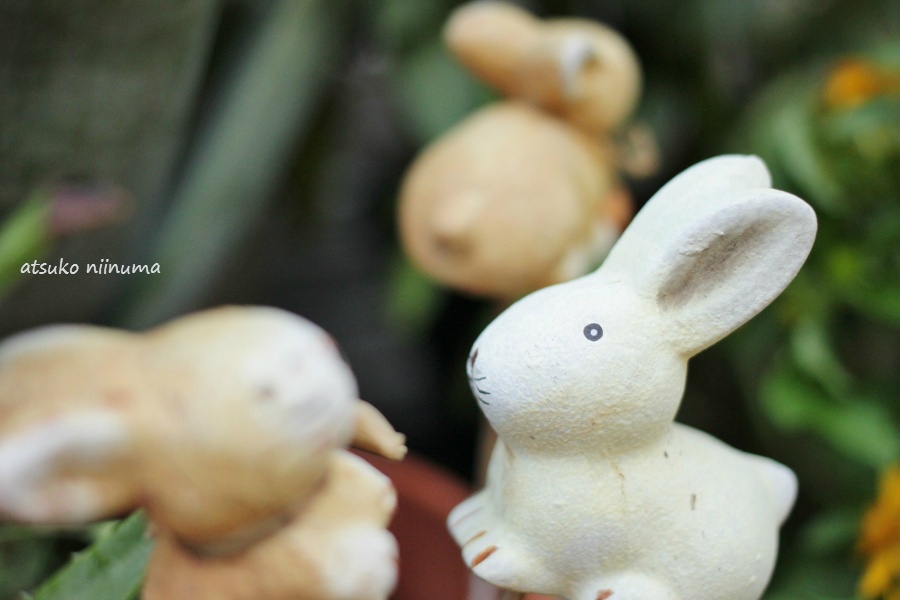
{"x": 228, "y": 427}
{"x": 526, "y": 192}
{"x": 593, "y": 492}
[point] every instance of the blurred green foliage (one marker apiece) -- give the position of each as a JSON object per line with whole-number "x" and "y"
{"x": 24, "y": 237}
{"x": 821, "y": 367}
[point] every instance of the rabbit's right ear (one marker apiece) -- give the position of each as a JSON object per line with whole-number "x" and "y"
{"x": 713, "y": 248}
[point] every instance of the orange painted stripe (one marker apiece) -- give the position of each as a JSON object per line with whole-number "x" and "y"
{"x": 475, "y": 537}
{"x": 483, "y": 556}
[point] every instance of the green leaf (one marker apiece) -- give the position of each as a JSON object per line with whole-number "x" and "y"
{"x": 862, "y": 150}
{"x": 859, "y": 427}
{"x": 400, "y": 24}
{"x": 24, "y": 237}
{"x": 240, "y": 158}
{"x": 854, "y": 279}
{"x": 112, "y": 569}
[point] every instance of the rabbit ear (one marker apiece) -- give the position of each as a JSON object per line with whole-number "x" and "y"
{"x": 712, "y": 249}
{"x": 729, "y": 264}
{"x": 726, "y": 172}
{"x": 56, "y": 470}
{"x": 677, "y": 201}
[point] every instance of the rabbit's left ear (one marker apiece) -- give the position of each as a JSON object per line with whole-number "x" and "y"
{"x": 61, "y": 470}
{"x": 727, "y": 263}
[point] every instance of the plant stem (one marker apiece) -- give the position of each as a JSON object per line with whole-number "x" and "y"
{"x": 242, "y": 155}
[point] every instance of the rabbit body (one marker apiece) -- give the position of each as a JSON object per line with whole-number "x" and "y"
{"x": 616, "y": 521}
{"x": 592, "y": 489}
{"x": 336, "y": 547}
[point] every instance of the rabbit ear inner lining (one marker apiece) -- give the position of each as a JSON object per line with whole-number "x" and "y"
{"x": 729, "y": 264}
{"x": 721, "y": 256}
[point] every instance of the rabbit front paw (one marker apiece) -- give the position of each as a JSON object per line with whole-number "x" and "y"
{"x": 470, "y": 517}
{"x": 488, "y": 549}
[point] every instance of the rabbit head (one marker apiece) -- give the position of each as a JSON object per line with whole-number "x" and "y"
{"x": 303, "y": 392}
{"x": 578, "y": 69}
{"x": 263, "y": 398}
{"x": 601, "y": 361}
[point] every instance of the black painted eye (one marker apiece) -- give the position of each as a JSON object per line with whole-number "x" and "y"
{"x": 593, "y": 332}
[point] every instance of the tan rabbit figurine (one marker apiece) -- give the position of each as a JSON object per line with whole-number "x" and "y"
{"x": 526, "y": 192}
{"x": 510, "y": 201}
{"x": 227, "y": 426}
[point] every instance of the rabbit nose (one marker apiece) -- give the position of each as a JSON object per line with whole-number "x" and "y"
{"x": 473, "y": 358}
{"x": 453, "y": 221}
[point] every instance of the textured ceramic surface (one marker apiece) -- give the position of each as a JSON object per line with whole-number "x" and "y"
{"x": 593, "y": 491}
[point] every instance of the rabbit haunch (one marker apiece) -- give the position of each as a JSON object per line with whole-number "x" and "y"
{"x": 592, "y": 487}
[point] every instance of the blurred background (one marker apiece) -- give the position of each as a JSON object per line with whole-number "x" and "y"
{"x": 254, "y": 150}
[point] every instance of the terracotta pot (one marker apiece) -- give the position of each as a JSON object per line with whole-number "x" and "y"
{"x": 430, "y": 563}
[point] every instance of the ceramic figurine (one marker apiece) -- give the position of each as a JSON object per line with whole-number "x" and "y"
{"x": 526, "y": 192}
{"x": 222, "y": 425}
{"x": 592, "y": 491}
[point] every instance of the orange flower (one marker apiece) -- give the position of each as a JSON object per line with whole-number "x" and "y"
{"x": 854, "y": 82}
{"x": 880, "y": 541}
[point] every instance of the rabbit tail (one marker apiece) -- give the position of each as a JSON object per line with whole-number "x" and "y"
{"x": 781, "y": 483}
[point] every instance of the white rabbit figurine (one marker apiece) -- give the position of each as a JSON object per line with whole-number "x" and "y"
{"x": 593, "y": 491}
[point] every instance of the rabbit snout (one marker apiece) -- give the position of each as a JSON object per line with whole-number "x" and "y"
{"x": 477, "y": 380}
